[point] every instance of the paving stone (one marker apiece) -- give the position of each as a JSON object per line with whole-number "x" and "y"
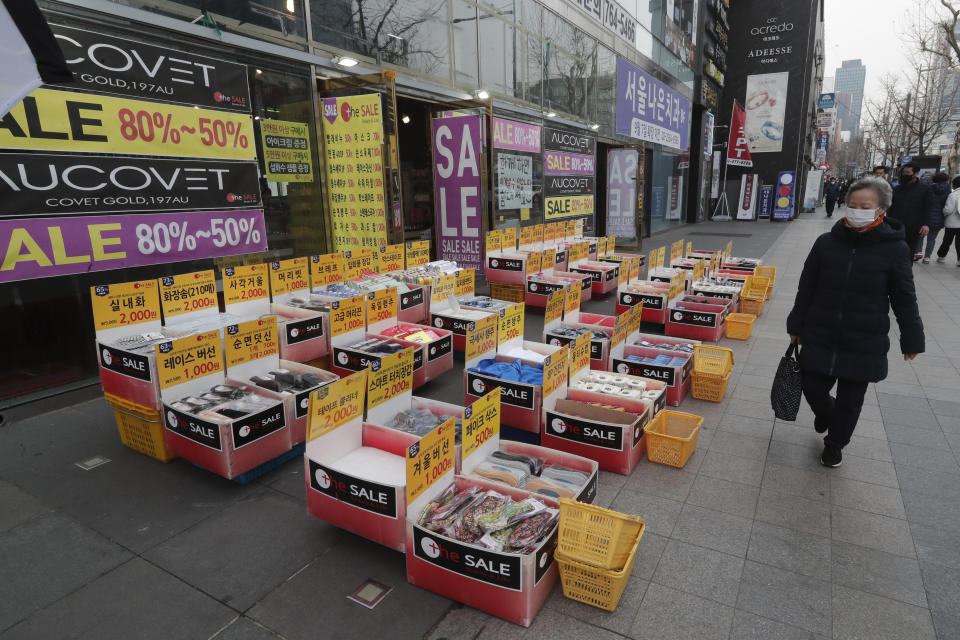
{"x": 748, "y": 626}
{"x": 931, "y": 510}
{"x": 722, "y": 495}
{"x": 465, "y": 623}
{"x": 553, "y": 624}
{"x": 797, "y": 551}
{"x": 858, "y": 615}
{"x": 648, "y": 555}
{"x": 747, "y": 426}
{"x": 620, "y": 620}
{"x": 909, "y": 418}
{"x": 908, "y": 403}
{"x": 813, "y": 485}
{"x": 870, "y": 429}
{"x": 877, "y": 572}
{"x": 785, "y": 596}
{"x": 702, "y": 572}
{"x": 867, "y": 470}
{"x": 794, "y": 512}
{"x": 936, "y": 544}
{"x": 804, "y": 455}
{"x": 245, "y": 629}
{"x": 739, "y": 445}
{"x": 941, "y": 460}
{"x": 660, "y": 480}
{"x": 872, "y": 530}
{"x": 733, "y": 468}
{"x": 872, "y": 448}
{"x": 17, "y": 507}
{"x": 943, "y": 587}
{"x": 901, "y": 434}
{"x": 947, "y": 626}
{"x": 874, "y": 498}
{"x": 660, "y": 514}
{"x": 916, "y": 480}
{"x": 713, "y": 530}
{"x": 668, "y": 613}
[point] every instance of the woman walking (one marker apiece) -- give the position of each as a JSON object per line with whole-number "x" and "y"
{"x": 941, "y": 191}
{"x": 852, "y": 277}
{"x": 951, "y": 223}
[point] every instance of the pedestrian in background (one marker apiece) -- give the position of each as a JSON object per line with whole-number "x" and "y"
{"x": 941, "y": 191}
{"x": 951, "y": 223}
{"x": 913, "y": 205}
{"x": 831, "y": 191}
{"x": 880, "y": 171}
{"x": 852, "y": 277}
{"x": 844, "y": 187}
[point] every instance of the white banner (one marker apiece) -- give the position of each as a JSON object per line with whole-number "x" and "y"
{"x": 514, "y": 181}
{"x": 766, "y": 107}
{"x": 749, "y": 195}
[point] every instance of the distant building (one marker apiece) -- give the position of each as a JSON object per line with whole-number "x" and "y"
{"x": 850, "y": 78}
{"x": 828, "y": 84}
{"x": 844, "y": 117}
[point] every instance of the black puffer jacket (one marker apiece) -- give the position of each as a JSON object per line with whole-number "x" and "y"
{"x": 842, "y": 310}
{"x": 941, "y": 191}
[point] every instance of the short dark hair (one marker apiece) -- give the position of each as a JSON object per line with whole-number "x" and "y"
{"x": 911, "y": 165}
{"x": 879, "y": 167}
{"x": 956, "y": 182}
{"x": 940, "y": 176}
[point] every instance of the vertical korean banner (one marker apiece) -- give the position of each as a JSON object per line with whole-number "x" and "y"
{"x": 649, "y": 110}
{"x": 457, "y": 149}
{"x": 514, "y": 172}
{"x": 569, "y": 167}
{"x": 622, "y": 192}
{"x": 353, "y": 135}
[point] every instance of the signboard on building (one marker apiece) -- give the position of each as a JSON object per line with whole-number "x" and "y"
{"x": 765, "y": 203}
{"x": 784, "y": 195}
{"x": 622, "y": 192}
{"x": 827, "y": 101}
{"x": 569, "y": 167}
{"x": 457, "y": 149}
{"x": 766, "y": 108}
{"x": 611, "y": 16}
{"x": 649, "y": 110}
{"x": 287, "y": 155}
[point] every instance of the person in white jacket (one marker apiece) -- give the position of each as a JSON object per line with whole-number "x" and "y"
{"x": 951, "y": 223}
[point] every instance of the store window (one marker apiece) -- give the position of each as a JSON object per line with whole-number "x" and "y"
{"x": 568, "y": 62}
{"x": 501, "y": 68}
{"x": 464, "y": 28}
{"x": 668, "y": 179}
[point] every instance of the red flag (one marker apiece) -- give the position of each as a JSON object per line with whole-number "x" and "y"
{"x": 738, "y": 151}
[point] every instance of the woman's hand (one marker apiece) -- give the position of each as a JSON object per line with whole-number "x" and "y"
{"x": 796, "y": 340}
{"x": 909, "y": 356}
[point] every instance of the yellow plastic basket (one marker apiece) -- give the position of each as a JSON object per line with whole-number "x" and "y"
{"x": 140, "y": 428}
{"x": 506, "y": 291}
{"x": 740, "y": 325}
{"x": 601, "y": 588}
{"x": 752, "y": 305}
{"x": 767, "y": 272}
{"x": 756, "y": 287}
{"x": 714, "y": 361}
{"x": 709, "y": 388}
{"x": 672, "y": 437}
{"x": 596, "y": 537}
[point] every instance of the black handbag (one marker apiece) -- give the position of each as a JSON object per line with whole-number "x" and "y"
{"x": 786, "y": 391}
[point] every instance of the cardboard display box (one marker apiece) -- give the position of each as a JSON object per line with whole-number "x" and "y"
{"x": 676, "y": 378}
{"x": 697, "y": 320}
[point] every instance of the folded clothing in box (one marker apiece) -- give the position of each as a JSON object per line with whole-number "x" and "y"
{"x": 412, "y": 333}
{"x": 646, "y": 287}
{"x": 662, "y": 360}
{"x": 375, "y": 346}
{"x": 484, "y": 302}
{"x": 515, "y": 371}
{"x": 285, "y": 381}
{"x": 420, "y": 422}
{"x": 576, "y": 332}
{"x": 374, "y": 465}
{"x": 530, "y": 473}
{"x": 223, "y": 403}
{"x": 682, "y": 348}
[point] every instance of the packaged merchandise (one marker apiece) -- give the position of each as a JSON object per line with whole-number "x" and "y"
{"x": 532, "y": 474}
{"x": 420, "y": 422}
{"x": 488, "y": 304}
{"x": 515, "y": 371}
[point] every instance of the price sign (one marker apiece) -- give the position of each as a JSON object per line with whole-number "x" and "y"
{"x": 611, "y": 243}
{"x": 187, "y": 292}
{"x": 390, "y": 377}
{"x": 621, "y": 328}
{"x": 245, "y": 283}
{"x": 636, "y": 317}
{"x": 251, "y": 340}
{"x": 481, "y": 337}
{"x": 548, "y": 258}
{"x": 122, "y": 305}
{"x": 346, "y": 315}
{"x": 623, "y": 274}
{"x": 481, "y": 422}
{"x": 336, "y": 404}
{"x": 390, "y": 258}
{"x": 578, "y": 227}
{"x": 464, "y": 283}
{"x": 634, "y": 269}
{"x": 689, "y": 249}
{"x": 526, "y": 236}
{"x": 357, "y": 262}
{"x": 579, "y": 251}
{"x": 549, "y": 232}
{"x": 537, "y": 233}
{"x": 572, "y": 301}
{"x": 326, "y": 269}
{"x": 186, "y": 359}
{"x": 570, "y": 229}
{"x": 511, "y": 323}
{"x": 554, "y": 308}
{"x": 555, "y": 369}
{"x": 698, "y": 271}
{"x": 676, "y": 250}
{"x": 729, "y": 249}
{"x": 533, "y": 263}
{"x": 508, "y": 239}
{"x": 288, "y": 276}
{"x": 494, "y": 241}
{"x": 417, "y": 253}
{"x": 429, "y": 459}
{"x": 601, "y": 247}
{"x": 661, "y": 256}
{"x": 381, "y": 305}
{"x": 580, "y": 354}
{"x": 443, "y": 287}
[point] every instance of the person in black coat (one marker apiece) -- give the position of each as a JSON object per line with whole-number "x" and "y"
{"x": 852, "y": 277}
{"x": 914, "y": 205}
{"x": 844, "y": 187}
{"x": 940, "y": 187}
{"x": 831, "y": 192}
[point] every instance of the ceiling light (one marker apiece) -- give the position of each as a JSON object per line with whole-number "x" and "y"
{"x": 551, "y": 114}
{"x": 405, "y": 119}
{"x": 345, "y": 61}
{"x": 259, "y": 72}
{"x": 595, "y": 126}
{"x": 482, "y": 94}
{"x": 290, "y": 6}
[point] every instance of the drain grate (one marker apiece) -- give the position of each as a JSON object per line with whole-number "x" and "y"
{"x": 720, "y": 235}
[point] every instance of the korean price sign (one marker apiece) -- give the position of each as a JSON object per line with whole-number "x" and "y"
{"x": 580, "y": 354}
{"x": 548, "y": 258}
{"x": 533, "y": 263}
{"x": 611, "y": 243}
{"x": 538, "y": 233}
{"x": 186, "y": 359}
{"x": 729, "y": 251}
{"x": 601, "y": 246}
{"x": 244, "y": 283}
{"x": 326, "y": 269}
{"x": 357, "y": 263}
{"x": 494, "y": 241}
{"x": 187, "y": 292}
{"x": 121, "y": 305}
{"x": 381, "y": 305}
{"x": 698, "y": 271}
{"x": 464, "y": 284}
{"x": 390, "y": 258}
{"x": 526, "y": 236}
{"x": 481, "y": 337}
{"x": 443, "y": 287}
{"x": 509, "y": 239}
{"x": 636, "y": 318}
{"x": 555, "y": 369}
{"x": 346, "y": 315}
{"x": 336, "y": 404}
{"x": 689, "y": 249}
{"x": 287, "y": 276}
{"x": 564, "y": 206}
{"x": 578, "y": 227}
{"x": 429, "y": 459}
{"x": 510, "y": 325}
{"x": 676, "y": 250}
{"x": 554, "y": 308}
{"x": 48, "y": 120}
{"x": 390, "y": 377}
{"x": 287, "y": 156}
{"x": 481, "y": 422}
{"x": 579, "y": 251}
{"x": 569, "y": 229}
{"x": 572, "y": 300}
{"x": 251, "y": 340}
{"x": 623, "y": 275}
{"x": 549, "y": 232}
{"x": 418, "y": 253}
{"x": 634, "y": 268}
{"x": 621, "y": 329}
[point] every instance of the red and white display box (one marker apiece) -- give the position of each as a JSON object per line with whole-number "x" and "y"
{"x": 507, "y": 266}
{"x": 738, "y": 264}
{"x": 304, "y": 334}
{"x": 450, "y": 316}
{"x": 435, "y": 357}
{"x": 586, "y": 282}
{"x": 676, "y": 378}
{"x": 728, "y": 293}
{"x": 696, "y": 320}
{"x": 655, "y": 297}
{"x": 603, "y": 275}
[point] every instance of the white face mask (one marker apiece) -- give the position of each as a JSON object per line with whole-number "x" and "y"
{"x": 859, "y": 218}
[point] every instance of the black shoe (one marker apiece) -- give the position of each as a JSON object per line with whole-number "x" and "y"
{"x": 831, "y": 456}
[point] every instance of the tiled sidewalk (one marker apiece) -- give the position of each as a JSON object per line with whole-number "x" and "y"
{"x": 753, "y": 539}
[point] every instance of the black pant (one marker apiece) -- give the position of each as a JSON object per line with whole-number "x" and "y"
{"x": 838, "y": 416}
{"x": 913, "y": 240}
{"x": 830, "y": 205}
{"x": 949, "y": 235}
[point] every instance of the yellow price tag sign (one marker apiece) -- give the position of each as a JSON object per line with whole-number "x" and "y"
{"x": 634, "y": 269}
{"x": 381, "y": 305}
{"x": 287, "y": 276}
{"x": 125, "y": 304}
{"x": 526, "y": 236}
{"x": 689, "y": 250}
{"x": 549, "y": 232}
{"x": 555, "y": 369}
{"x": 554, "y": 308}
{"x": 326, "y": 269}
{"x": 390, "y": 258}
{"x": 623, "y": 273}
{"x": 390, "y": 377}
{"x": 579, "y": 251}
{"x": 698, "y": 271}
{"x": 569, "y": 229}
{"x": 464, "y": 283}
{"x": 357, "y": 262}
{"x": 636, "y": 317}
{"x": 188, "y": 292}
{"x": 538, "y": 233}
{"x": 548, "y": 258}
{"x": 430, "y": 458}
{"x": 480, "y": 423}
{"x": 510, "y": 325}
{"x": 189, "y": 358}
{"x": 481, "y": 337}
{"x": 336, "y": 404}
{"x": 601, "y": 246}
{"x": 580, "y": 354}
{"x": 729, "y": 249}
{"x": 611, "y": 243}
{"x": 508, "y": 239}
{"x": 494, "y": 241}
{"x": 245, "y": 283}
{"x": 417, "y": 253}
{"x": 621, "y": 329}
{"x": 443, "y": 287}
{"x": 533, "y": 263}
{"x": 251, "y": 340}
{"x": 346, "y": 315}
{"x": 573, "y": 295}
{"x": 578, "y": 227}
